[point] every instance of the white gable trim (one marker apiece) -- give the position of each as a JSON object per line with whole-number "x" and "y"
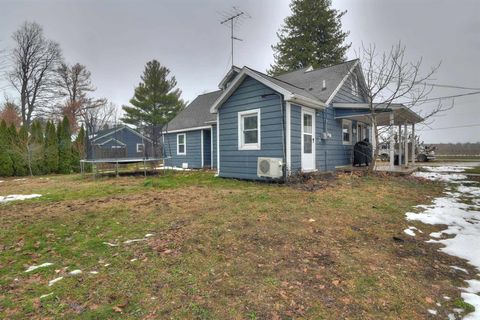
{"x": 288, "y": 96}
{"x": 186, "y": 129}
{"x": 340, "y": 85}
{"x": 119, "y": 129}
{"x": 112, "y": 139}
{"x": 222, "y": 83}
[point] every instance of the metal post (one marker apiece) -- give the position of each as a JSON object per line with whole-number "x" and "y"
{"x": 400, "y": 145}
{"x": 414, "y": 141}
{"x": 406, "y": 144}
{"x": 392, "y": 141}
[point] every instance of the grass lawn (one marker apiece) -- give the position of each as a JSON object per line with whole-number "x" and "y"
{"x": 221, "y": 249}
{"x": 475, "y": 170}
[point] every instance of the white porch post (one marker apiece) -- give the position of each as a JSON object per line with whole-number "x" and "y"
{"x": 413, "y": 143}
{"x": 406, "y": 144}
{"x": 392, "y": 140}
{"x": 400, "y": 145}
{"x": 372, "y": 138}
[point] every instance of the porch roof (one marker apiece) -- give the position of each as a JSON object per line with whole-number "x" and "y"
{"x": 361, "y": 112}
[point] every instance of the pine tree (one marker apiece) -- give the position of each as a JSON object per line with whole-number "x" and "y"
{"x": 6, "y": 163}
{"x": 155, "y": 102}
{"x": 64, "y": 146}
{"x": 78, "y": 149}
{"x": 18, "y": 150}
{"x": 37, "y": 148}
{"x": 311, "y": 36}
{"x": 51, "y": 148}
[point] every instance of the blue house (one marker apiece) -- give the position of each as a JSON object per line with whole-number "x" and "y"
{"x": 120, "y": 143}
{"x": 261, "y": 127}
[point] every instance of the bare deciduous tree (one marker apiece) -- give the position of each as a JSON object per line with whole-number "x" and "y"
{"x": 35, "y": 60}
{"x": 390, "y": 79}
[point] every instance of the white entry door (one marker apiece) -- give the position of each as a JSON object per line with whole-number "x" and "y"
{"x": 308, "y": 139}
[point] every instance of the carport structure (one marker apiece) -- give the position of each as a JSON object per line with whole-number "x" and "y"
{"x": 392, "y": 115}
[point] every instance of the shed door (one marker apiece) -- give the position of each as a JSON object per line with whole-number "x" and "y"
{"x": 308, "y": 139}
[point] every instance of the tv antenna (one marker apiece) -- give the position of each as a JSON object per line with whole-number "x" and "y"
{"x": 232, "y": 18}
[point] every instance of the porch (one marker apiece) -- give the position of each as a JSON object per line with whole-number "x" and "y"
{"x": 397, "y": 123}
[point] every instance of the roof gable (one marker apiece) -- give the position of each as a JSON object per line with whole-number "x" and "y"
{"x": 108, "y": 132}
{"x": 290, "y": 92}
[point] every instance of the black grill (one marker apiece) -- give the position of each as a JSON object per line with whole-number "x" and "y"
{"x": 362, "y": 153}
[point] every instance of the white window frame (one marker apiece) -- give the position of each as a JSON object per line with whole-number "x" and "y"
{"x": 349, "y": 123}
{"x": 184, "y": 143}
{"x": 241, "y": 137}
{"x": 140, "y": 144}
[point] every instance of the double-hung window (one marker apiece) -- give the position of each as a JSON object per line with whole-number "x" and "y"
{"x": 181, "y": 144}
{"x": 346, "y": 131}
{"x": 249, "y": 130}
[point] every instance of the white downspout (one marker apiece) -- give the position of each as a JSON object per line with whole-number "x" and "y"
{"x": 392, "y": 141}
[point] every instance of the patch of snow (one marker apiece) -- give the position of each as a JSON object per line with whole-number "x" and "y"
{"x": 110, "y": 244}
{"x": 21, "y": 179}
{"x": 43, "y": 265}
{"x": 459, "y": 269}
{"x": 75, "y": 272}
{"x": 46, "y": 295}
{"x": 1, "y": 181}
{"x": 446, "y": 169}
{"x": 174, "y": 168}
{"x": 148, "y": 235}
{"x": 15, "y": 197}
{"x": 134, "y": 240}
{"x": 94, "y": 272}
{"x": 435, "y": 176}
{"x": 311, "y": 220}
{"x": 411, "y": 231}
{"x": 133, "y": 260}
{"x": 106, "y": 264}
{"x": 432, "y": 311}
{"x": 451, "y": 316}
{"x": 462, "y": 219}
{"x": 438, "y": 304}
{"x": 52, "y": 282}
{"x": 446, "y": 298}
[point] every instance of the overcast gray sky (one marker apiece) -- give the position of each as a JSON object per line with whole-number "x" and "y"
{"x": 115, "y": 39}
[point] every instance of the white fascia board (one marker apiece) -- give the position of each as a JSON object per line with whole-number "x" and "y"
{"x": 305, "y": 102}
{"x": 334, "y": 93}
{"x": 186, "y": 129}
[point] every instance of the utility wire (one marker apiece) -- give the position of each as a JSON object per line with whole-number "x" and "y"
{"x": 453, "y": 127}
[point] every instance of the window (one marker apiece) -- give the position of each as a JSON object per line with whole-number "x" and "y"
{"x": 347, "y": 131}
{"x": 140, "y": 147}
{"x": 181, "y": 143}
{"x": 354, "y": 83}
{"x": 249, "y": 130}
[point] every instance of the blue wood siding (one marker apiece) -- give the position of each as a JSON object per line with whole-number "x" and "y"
{"x": 296, "y": 138}
{"x": 214, "y": 134}
{"x": 130, "y": 139}
{"x": 345, "y": 93}
{"x": 251, "y": 94}
{"x": 332, "y": 152}
{"x": 207, "y": 150}
{"x": 192, "y": 155}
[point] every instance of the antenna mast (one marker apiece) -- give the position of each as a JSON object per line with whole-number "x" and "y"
{"x": 231, "y": 20}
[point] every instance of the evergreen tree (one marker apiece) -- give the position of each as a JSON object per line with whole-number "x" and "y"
{"x": 311, "y": 36}
{"x": 37, "y": 148}
{"x": 51, "y": 148}
{"x": 78, "y": 149}
{"x": 155, "y": 102}
{"x": 64, "y": 146}
{"x": 18, "y": 150}
{"x": 6, "y": 163}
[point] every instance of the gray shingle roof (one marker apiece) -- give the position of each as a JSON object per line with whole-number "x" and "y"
{"x": 293, "y": 88}
{"x": 197, "y": 113}
{"x": 312, "y": 81}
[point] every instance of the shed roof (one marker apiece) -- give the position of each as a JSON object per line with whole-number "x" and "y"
{"x": 196, "y": 114}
